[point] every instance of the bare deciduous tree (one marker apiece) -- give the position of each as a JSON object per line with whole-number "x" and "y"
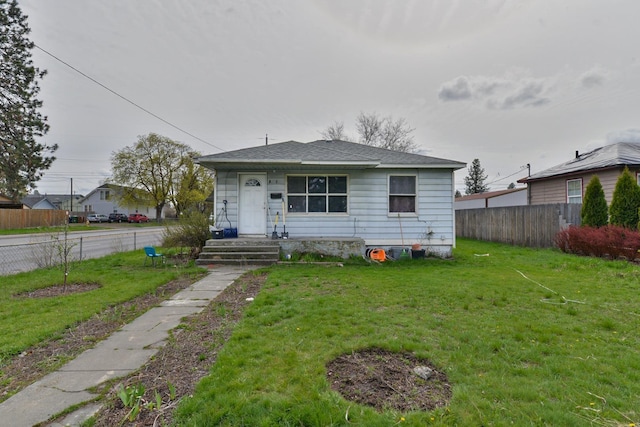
{"x": 383, "y": 132}
{"x": 335, "y": 132}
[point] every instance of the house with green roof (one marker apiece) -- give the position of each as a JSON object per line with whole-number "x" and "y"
{"x": 336, "y": 189}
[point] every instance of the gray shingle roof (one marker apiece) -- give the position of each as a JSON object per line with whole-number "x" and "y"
{"x": 619, "y": 154}
{"x": 324, "y": 152}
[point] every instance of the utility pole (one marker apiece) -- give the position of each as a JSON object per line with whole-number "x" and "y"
{"x": 266, "y": 139}
{"x": 71, "y": 199}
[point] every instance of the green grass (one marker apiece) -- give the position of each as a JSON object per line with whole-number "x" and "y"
{"x": 557, "y": 347}
{"x": 83, "y": 227}
{"x": 52, "y": 229}
{"x": 25, "y": 322}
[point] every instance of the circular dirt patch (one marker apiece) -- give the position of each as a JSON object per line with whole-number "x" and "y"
{"x": 387, "y": 380}
{"x": 59, "y": 290}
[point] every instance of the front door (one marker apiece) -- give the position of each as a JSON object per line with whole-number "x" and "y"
{"x": 252, "y": 218}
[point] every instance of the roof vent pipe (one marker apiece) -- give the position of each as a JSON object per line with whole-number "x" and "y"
{"x": 577, "y": 154}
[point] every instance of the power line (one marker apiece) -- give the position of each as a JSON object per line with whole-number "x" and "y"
{"x": 127, "y": 99}
{"x": 505, "y": 177}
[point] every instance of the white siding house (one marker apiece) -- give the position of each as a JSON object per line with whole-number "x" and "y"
{"x": 336, "y": 189}
{"x": 102, "y": 200}
{"x": 493, "y": 199}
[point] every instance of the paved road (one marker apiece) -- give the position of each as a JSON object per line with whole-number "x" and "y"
{"x": 20, "y": 253}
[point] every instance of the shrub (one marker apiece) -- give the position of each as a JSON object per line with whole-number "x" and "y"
{"x": 625, "y": 202}
{"x": 609, "y": 241}
{"x": 192, "y": 232}
{"x": 594, "y": 208}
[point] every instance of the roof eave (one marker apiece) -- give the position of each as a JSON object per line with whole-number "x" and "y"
{"x": 580, "y": 172}
{"x": 454, "y": 166}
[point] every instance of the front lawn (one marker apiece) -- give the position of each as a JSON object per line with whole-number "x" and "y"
{"x": 525, "y": 337}
{"x": 26, "y": 320}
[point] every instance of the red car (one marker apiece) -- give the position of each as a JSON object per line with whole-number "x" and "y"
{"x": 137, "y": 217}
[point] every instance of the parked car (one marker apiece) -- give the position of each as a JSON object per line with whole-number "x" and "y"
{"x": 137, "y": 217}
{"x": 97, "y": 218}
{"x": 118, "y": 217}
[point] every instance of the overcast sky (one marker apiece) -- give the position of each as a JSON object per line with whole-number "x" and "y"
{"x": 509, "y": 82}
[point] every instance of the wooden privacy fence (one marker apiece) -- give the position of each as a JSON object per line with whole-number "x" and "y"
{"x": 533, "y": 226}
{"x": 24, "y": 218}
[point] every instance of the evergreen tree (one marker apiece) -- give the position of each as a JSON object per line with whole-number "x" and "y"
{"x": 474, "y": 182}
{"x": 594, "y": 207}
{"x": 22, "y": 158}
{"x": 625, "y": 202}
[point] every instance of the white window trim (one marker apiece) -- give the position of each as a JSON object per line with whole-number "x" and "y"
{"x": 402, "y": 214}
{"x": 307, "y": 175}
{"x": 567, "y": 190}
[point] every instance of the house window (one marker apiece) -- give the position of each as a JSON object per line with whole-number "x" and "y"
{"x": 402, "y": 194}
{"x": 574, "y": 191}
{"x": 104, "y": 195}
{"x": 317, "y": 194}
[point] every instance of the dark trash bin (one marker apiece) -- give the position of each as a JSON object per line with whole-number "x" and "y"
{"x": 417, "y": 253}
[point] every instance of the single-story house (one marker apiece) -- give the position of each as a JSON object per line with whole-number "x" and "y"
{"x": 104, "y": 200}
{"x": 336, "y": 189}
{"x": 38, "y": 201}
{"x": 567, "y": 182}
{"x": 66, "y": 201}
{"x": 7, "y": 203}
{"x": 492, "y": 199}
{"x": 52, "y": 201}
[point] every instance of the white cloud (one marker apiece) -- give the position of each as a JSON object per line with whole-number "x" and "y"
{"x": 455, "y": 90}
{"x": 593, "y": 78}
{"x": 626, "y": 135}
{"x": 514, "y": 90}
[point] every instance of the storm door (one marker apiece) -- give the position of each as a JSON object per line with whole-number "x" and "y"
{"x": 252, "y": 218}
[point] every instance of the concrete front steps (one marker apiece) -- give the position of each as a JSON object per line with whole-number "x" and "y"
{"x": 239, "y": 252}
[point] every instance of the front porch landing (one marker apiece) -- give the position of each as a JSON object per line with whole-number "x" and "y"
{"x": 266, "y": 251}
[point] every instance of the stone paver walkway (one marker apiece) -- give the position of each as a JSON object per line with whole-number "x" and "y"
{"x": 119, "y": 355}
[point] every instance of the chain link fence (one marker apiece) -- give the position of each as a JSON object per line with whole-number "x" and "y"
{"x": 49, "y": 250}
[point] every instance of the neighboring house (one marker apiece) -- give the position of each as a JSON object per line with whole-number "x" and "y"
{"x": 336, "y": 189}
{"x": 52, "y": 201}
{"x": 104, "y": 200}
{"x": 38, "y": 201}
{"x": 566, "y": 183}
{"x": 492, "y": 199}
{"x": 7, "y": 203}
{"x": 66, "y": 201}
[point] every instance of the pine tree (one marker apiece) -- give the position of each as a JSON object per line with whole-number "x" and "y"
{"x": 474, "y": 182}
{"x": 594, "y": 207}
{"x": 22, "y": 158}
{"x": 625, "y": 202}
